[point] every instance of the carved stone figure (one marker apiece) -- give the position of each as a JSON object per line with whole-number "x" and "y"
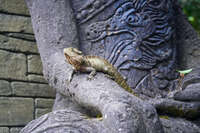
{"x": 140, "y": 38}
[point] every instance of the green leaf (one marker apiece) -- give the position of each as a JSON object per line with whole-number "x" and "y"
{"x": 191, "y": 18}
{"x": 185, "y": 71}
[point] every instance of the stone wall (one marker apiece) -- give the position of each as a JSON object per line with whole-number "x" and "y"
{"x": 24, "y": 94}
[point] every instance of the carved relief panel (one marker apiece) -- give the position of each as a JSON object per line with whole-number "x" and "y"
{"x": 136, "y": 36}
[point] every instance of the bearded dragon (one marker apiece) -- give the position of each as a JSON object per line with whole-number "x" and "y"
{"x": 92, "y": 64}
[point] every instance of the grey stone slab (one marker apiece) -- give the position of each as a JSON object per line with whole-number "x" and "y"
{"x": 40, "y": 112}
{"x": 11, "y": 23}
{"x": 44, "y": 103}
{"x": 5, "y": 89}
{"x": 34, "y": 64}
{"x": 15, "y": 130}
{"x": 21, "y": 35}
{"x": 179, "y": 125}
{"x": 36, "y": 78}
{"x": 4, "y": 130}
{"x": 14, "y": 6}
{"x": 12, "y": 65}
{"x": 191, "y": 93}
{"x": 20, "y": 45}
{"x": 32, "y": 89}
{"x": 16, "y": 111}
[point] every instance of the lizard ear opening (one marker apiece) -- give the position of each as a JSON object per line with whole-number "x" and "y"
{"x": 77, "y": 51}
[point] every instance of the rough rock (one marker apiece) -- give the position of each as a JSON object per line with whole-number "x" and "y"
{"x": 40, "y": 112}
{"x": 12, "y": 65}
{"x": 16, "y": 111}
{"x": 44, "y": 103}
{"x": 4, "y": 130}
{"x": 5, "y": 89}
{"x": 34, "y": 64}
{"x": 172, "y": 125}
{"x": 15, "y": 130}
{"x": 192, "y": 93}
{"x": 61, "y": 121}
{"x": 18, "y": 45}
{"x": 10, "y": 23}
{"x": 32, "y": 89}
{"x": 23, "y": 36}
{"x": 14, "y": 6}
{"x": 191, "y": 78}
{"x": 188, "y": 41}
{"x": 36, "y": 78}
{"x": 189, "y": 110}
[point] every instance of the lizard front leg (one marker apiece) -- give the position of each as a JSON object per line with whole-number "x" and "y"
{"x": 72, "y": 74}
{"x": 91, "y": 75}
{"x": 91, "y": 70}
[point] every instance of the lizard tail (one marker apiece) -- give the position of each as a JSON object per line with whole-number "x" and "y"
{"x": 120, "y": 80}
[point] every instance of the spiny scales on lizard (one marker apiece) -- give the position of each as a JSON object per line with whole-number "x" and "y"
{"x": 92, "y": 64}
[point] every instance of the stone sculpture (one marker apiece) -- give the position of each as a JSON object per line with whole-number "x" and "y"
{"x": 138, "y": 37}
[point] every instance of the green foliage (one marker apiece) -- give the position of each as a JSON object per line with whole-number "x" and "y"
{"x": 185, "y": 71}
{"x": 192, "y": 9}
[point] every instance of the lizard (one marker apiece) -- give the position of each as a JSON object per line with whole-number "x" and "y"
{"x": 92, "y": 64}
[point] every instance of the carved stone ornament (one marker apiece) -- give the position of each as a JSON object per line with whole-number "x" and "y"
{"x": 136, "y": 36}
{"x": 140, "y": 38}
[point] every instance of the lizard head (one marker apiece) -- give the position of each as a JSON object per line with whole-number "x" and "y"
{"x": 73, "y": 56}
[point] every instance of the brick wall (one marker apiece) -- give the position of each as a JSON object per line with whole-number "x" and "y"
{"x": 24, "y": 94}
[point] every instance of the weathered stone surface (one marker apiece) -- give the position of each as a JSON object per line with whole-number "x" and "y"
{"x": 15, "y": 111}
{"x": 19, "y": 45}
{"x": 40, "y": 112}
{"x": 12, "y": 65}
{"x": 189, "y": 110}
{"x": 193, "y": 86}
{"x": 44, "y": 103}
{"x": 191, "y": 93}
{"x": 5, "y": 89}
{"x": 172, "y": 125}
{"x": 14, "y": 6}
{"x": 15, "y": 130}
{"x": 191, "y": 78}
{"x": 29, "y": 37}
{"x": 189, "y": 52}
{"x": 32, "y": 89}
{"x": 11, "y": 23}
{"x": 36, "y": 78}
{"x": 34, "y": 64}
{"x": 4, "y": 130}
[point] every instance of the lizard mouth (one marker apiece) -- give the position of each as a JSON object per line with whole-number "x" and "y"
{"x": 105, "y": 34}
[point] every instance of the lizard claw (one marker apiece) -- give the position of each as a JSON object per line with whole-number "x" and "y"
{"x": 109, "y": 76}
{"x": 90, "y": 77}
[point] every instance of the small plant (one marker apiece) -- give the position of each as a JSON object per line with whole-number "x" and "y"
{"x": 184, "y": 72}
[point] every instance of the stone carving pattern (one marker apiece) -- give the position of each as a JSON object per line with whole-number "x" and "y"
{"x": 146, "y": 31}
{"x": 140, "y": 37}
